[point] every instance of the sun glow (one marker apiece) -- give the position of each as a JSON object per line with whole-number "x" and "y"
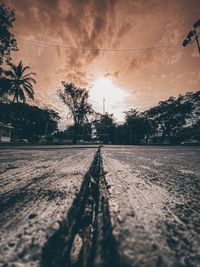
{"x": 104, "y": 88}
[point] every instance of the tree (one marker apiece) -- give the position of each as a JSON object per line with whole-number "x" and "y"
{"x": 136, "y": 126}
{"x": 5, "y": 86}
{"x": 19, "y": 81}
{"x": 191, "y": 130}
{"x": 29, "y": 122}
{"x": 194, "y": 100}
{"x": 105, "y": 127}
{"x": 170, "y": 115}
{"x": 84, "y": 132}
{"x": 76, "y": 99}
{"x": 7, "y": 39}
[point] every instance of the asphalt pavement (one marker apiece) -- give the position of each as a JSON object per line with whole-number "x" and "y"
{"x": 157, "y": 193}
{"x": 152, "y": 206}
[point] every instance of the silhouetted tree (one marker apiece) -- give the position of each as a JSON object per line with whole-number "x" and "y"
{"x": 84, "y": 132}
{"x": 136, "y": 126}
{"x": 5, "y": 86}
{"x": 19, "y": 82}
{"x": 7, "y": 44}
{"x": 29, "y": 122}
{"x": 76, "y": 99}
{"x": 171, "y": 115}
{"x": 105, "y": 127}
{"x": 191, "y": 130}
{"x": 7, "y": 39}
{"x": 194, "y": 100}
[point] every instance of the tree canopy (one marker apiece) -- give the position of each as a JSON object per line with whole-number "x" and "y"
{"x": 76, "y": 99}
{"x": 170, "y": 115}
{"x": 8, "y": 42}
{"x": 29, "y": 121}
{"x": 18, "y": 82}
{"x": 104, "y": 127}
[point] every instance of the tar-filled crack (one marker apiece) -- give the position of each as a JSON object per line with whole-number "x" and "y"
{"x": 85, "y": 236}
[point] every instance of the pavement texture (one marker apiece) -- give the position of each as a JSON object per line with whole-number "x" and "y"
{"x": 155, "y": 193}
{"x": 38, "y": 187}
{"x": 124, "y": 205}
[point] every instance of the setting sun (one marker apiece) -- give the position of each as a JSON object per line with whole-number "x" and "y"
{"x": 105, "y": 88}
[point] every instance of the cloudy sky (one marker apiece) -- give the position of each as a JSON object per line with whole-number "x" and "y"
{"x": 156, "y": 68}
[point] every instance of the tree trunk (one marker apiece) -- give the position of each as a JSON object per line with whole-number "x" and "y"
{"x": 75, "y": 134}
{"x": 14, "y": 99}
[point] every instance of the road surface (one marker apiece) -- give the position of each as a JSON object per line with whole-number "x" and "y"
{"x": 38, "y": 186}
{"x": 121, "y": 206}
{"x": 157, "y": 190}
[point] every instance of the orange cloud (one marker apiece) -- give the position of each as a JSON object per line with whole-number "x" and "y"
{"x": 147, "y": 75}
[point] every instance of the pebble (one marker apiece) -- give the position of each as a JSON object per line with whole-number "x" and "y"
{"x": 32, "y": 215}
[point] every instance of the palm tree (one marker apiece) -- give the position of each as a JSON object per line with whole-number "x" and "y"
{"x": 20, "y": 83}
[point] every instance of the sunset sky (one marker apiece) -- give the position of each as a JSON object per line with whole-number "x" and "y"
{"x": 137, "y": 78}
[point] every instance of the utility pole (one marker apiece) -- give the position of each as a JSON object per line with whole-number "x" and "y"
{"x": 104, "y": 122}
{"x": 193, "y": 36}
{"x": 103, "y": 106}
{"x": 46, "y": 131}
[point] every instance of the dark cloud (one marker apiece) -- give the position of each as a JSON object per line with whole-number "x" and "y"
{"x": 112, "y": 74}
{"x": 123, "y": 30}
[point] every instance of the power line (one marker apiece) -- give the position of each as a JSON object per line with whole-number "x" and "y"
{"x": 97, "y": 49}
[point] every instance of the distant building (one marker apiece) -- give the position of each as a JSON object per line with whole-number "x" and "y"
{"x": 5, "y": 132}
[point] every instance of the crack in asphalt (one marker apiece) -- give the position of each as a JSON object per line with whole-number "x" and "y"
{"x": 85, "y": 236}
